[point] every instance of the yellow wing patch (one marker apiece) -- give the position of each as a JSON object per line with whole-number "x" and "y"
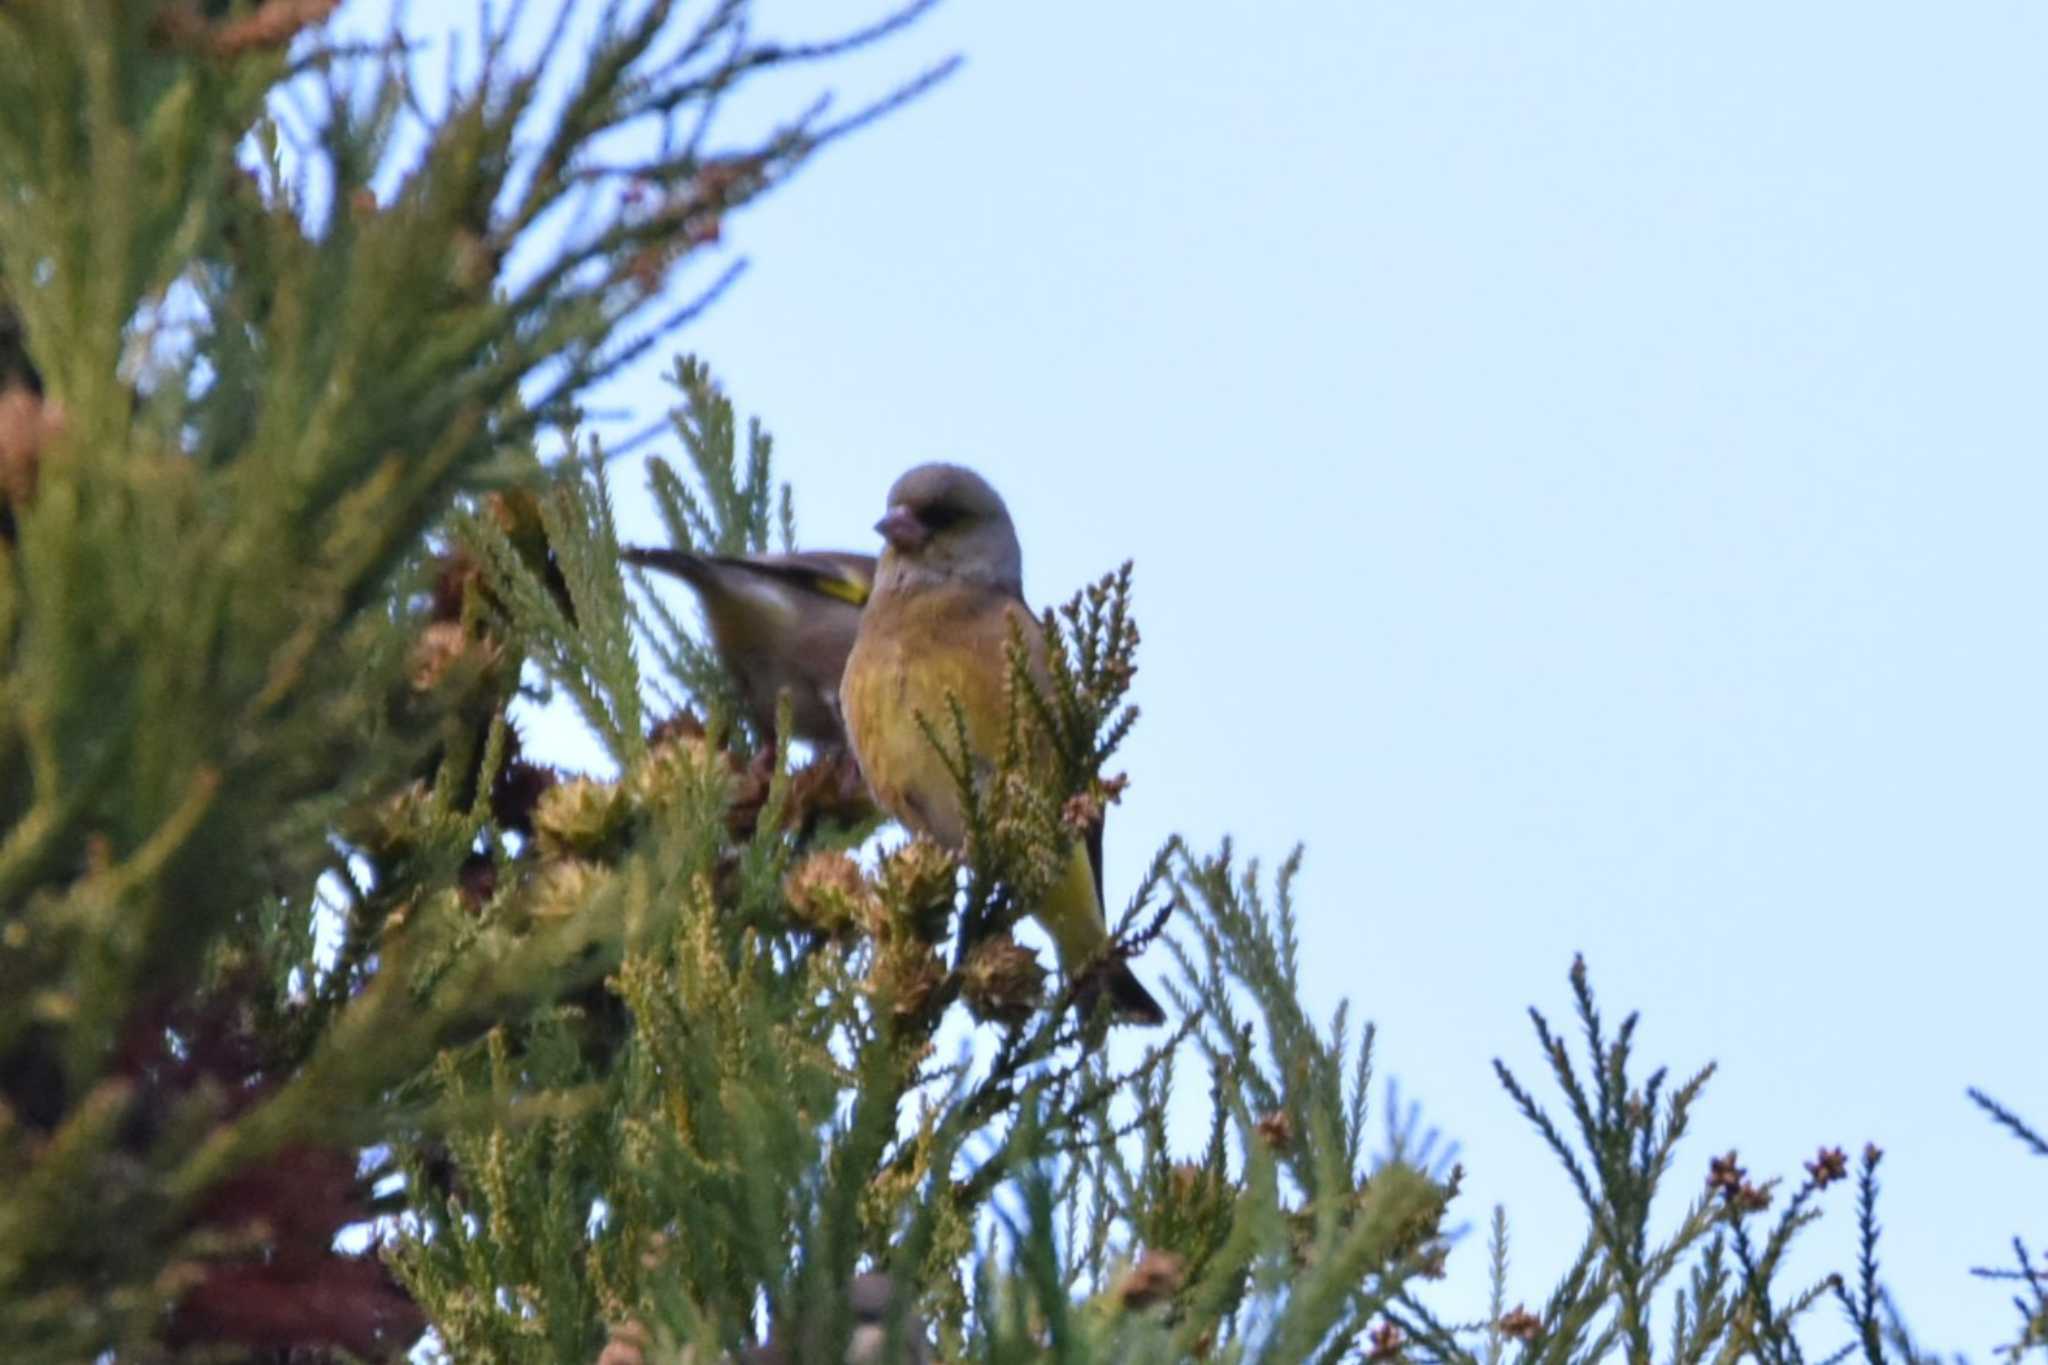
{"x": 845, "y": 589}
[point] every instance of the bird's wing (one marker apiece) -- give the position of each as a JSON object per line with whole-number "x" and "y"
{"x": 839, "y": 574}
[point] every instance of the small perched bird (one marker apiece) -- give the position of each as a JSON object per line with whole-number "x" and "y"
{"x": 779, "y": 623}
{"x": 871, "y": 1298}
{"x": 949, "y": 586}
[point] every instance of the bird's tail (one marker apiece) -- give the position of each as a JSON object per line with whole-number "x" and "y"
{"x": 1129, "y": 1001}
{"x": 1072, "y": 913}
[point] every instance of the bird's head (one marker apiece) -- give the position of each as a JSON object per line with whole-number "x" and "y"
{"x": 945, "y": 523}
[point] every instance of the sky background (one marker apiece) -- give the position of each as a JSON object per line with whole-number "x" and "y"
{"x": 1584, "y": 464}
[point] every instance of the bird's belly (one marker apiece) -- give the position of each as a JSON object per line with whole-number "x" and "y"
{"x": 903, "y": 770}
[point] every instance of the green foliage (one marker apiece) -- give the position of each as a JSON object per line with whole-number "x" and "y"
{"x": 264, "y": 376}
{"x": 1722, "y": 1266}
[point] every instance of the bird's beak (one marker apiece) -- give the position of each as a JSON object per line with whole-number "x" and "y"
{"x": 903, "y": 530}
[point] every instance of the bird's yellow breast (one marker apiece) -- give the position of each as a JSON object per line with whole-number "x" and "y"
{"x": 912, "y": 655}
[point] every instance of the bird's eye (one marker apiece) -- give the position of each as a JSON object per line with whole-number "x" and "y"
{"x": 939, "y": 516}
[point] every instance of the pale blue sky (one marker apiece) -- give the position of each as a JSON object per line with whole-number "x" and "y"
{"x": 1584, "y": 467}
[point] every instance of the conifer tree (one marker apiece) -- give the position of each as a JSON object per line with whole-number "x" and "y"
{"x": 335, "y": 1027}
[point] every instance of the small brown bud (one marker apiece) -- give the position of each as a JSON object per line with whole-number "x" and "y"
{"x": 1830, "y": 1165}
{"x": 446, "y": 652}
{"x": 1726, "y": 1175}
{"x": 563, "y": 888}
{"x": 1154, "y": 1279}
{"x": 578, "y": 819}
{"x": 1385, "y": 1341}
{"x": 676, "y": 763}
{"x": 682, "y": 724}
{"x": 1519, "y": 1324}
{"x": 828, "y": 894}
{"x": 917, "y": 883}
{"x": 826, "y": 788}
{"x": 1872, "y": 1154}
{"x": 904, "y": 975}
{"x": 716, "y": 180}
{"x": 1276, "y": 1130}
{"x": 1082, "y": 812}
{"x": 434, "y": 652}
{"x": 1003, "y": 982}
{"x": 395, "y": 826}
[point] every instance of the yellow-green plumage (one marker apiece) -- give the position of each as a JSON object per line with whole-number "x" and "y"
{"x": 910, "y": 655}
{"x": 937, "y": 628}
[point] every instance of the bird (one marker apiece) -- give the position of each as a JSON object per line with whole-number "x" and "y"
{"x": 872, "y": 1300}
{"x": 779, "y": 622}
{"x": 948, "y": 593}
